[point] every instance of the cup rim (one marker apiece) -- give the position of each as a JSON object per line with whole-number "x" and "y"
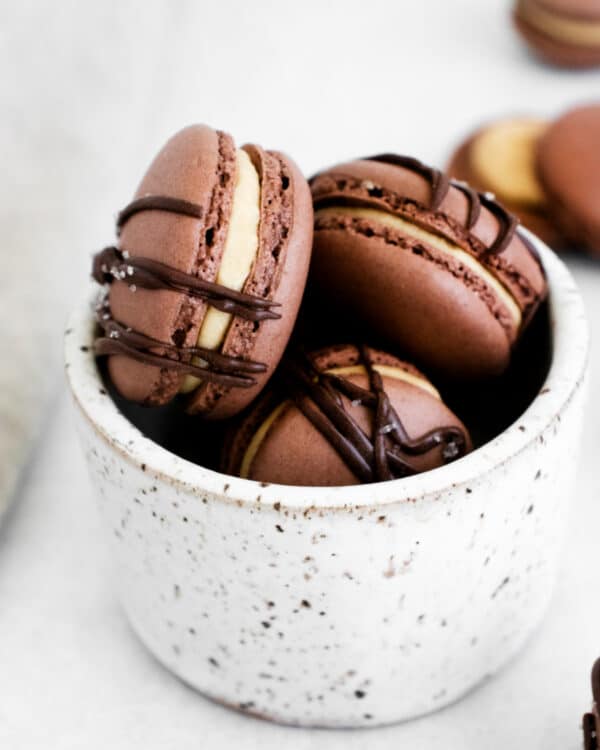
{"x": 570, "y": 340}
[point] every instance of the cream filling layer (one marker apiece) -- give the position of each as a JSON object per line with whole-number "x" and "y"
{"x": 571, "y": 30}
{"x": 433, "y": 240}
{"x": 385, "y": 370}
{"x": 239, "y": 254}
{"x": 503, "y": 155}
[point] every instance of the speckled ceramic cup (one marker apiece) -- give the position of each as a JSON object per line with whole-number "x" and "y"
{"x": 340, "y": 607}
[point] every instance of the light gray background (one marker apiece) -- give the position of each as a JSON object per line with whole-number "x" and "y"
{"x": 89, "y": 91}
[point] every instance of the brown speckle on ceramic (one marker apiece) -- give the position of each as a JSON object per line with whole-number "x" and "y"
{"x": 346, "y": 606}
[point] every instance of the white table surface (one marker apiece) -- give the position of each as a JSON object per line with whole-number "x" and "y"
{"x": 97, "y": 90}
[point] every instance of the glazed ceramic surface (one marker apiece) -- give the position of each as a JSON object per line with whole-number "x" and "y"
{"x": 340, "y": 607}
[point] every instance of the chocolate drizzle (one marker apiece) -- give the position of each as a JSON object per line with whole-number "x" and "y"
{"x": 533, "y": 251}
{"x": 115, "y": 264}
{"x": 507, "y": 221}
{"x": 209, "y": 365}
{"x": 437, "y": 180}
{"x": 440, "y": 184}
{"x": 474, "y": 203}
{"x": 591, "y": 720}
{"x": 590, "y": 732}
{"x": 111, "y": 263}
{"x": 385, "y": 454}
{"x": 158, "y": 203}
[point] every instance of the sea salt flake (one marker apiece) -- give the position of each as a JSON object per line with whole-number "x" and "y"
{"x": 450, "y": 451}
{"x": 130, "y": 270}
{"x": 113, "y": 335}
{"x": 132, "y": 288}
{"x": 125, "y": 254}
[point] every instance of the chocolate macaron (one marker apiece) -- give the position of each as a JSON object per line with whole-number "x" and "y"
{"x": 207, "y": 278}
{"x": 561, "y": 32}
{"x": 345, "y": 415}
{"x": 435, "y": 268}
{"x": 591, "y": 719}
{"x": 568, "y": 164}
{"x": 500, "y": 158}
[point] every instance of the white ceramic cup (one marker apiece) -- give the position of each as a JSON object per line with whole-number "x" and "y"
{"x": 347, "y": 606}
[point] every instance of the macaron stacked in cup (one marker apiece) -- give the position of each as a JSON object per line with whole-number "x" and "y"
{"x": 214, "y": 239}
{"x": 201, "y": 293}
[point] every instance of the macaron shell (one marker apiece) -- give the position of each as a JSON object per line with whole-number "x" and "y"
{"x": 584, "y": 10}
{"x": 555, "y": 51}
{"x": 426, "y": 309}
{"x": 337, "y": 355}
{"x": 193, "y": 165}
{"x": 420, "y": 298}
{"x": 347, "y": 355}
{"x": 518, "y": 270}
{"x": 293, "y": 435}
{"x": 569, "y": 167}
{"x": 460, "y": 168}
{"x": 595, "y": 679}
{"x": 281, "y": 278}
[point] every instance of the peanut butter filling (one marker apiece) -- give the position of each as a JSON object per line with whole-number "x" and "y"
{"x": 239, "y": 254}
{"x": 503, "y": 155}
{"x": 581, "y": 32}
